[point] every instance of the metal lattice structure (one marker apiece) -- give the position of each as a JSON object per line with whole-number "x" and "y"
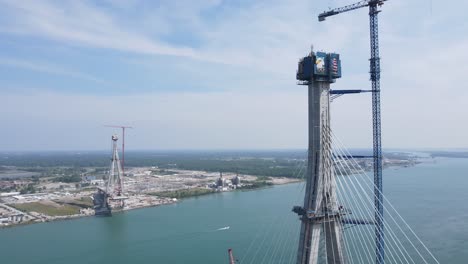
{"x": 123, "y": 144}
{"x": 114, "y": 182}
{"x": 376, "y": 116}
{"x": 112, "y": 197}
{"x": 377, "y": 139}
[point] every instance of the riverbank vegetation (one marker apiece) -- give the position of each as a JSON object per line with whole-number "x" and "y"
{"x": 260, "y": 182}
{"x": 67, "y": 166}
{"x": 184, "y": 193}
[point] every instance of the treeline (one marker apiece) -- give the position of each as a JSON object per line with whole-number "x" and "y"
{"x": 68, "y": 179}
{"x": 259, "y": 167}
{"x": 448, "y": 154}
{"x": 267, "y": 163}
{"x": 184, "y": 193}
{"x": 38, "y": 160}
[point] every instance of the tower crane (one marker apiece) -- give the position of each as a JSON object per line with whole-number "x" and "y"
{"x": 376, "y": 119}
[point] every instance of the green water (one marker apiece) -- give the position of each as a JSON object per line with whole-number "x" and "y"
{"x": 431, "y": 197}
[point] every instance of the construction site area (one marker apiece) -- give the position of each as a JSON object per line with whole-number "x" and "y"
{"x": 67, "y": 193}
{"x": 41, "y": 194}
{"x": 46, "y": 193}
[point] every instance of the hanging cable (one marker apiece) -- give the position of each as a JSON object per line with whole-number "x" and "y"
{"x": 401, "y": 218}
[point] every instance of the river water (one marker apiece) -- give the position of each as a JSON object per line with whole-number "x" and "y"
{"x": 432, "y": 197}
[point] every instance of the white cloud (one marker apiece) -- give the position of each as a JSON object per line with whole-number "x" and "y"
{"x": 268, "y": 36}
{"x": 217, "y": 120}
{"x": 76, "y": 22}
{"x": 423, "y": 80}
{"x": 47, "y": 68}
{"x": 161, "y": 121}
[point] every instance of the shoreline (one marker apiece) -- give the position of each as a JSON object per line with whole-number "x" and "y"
{"x": 166, "y": 201}
{"x": 77, "y": 216}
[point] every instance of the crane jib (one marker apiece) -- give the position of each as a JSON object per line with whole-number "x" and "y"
{"x": 347, "y": 8}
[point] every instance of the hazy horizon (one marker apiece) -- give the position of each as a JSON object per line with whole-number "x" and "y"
{"x": 221, "y": 150}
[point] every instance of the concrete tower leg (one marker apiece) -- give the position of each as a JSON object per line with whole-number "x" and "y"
{"x": 319, "y": 211}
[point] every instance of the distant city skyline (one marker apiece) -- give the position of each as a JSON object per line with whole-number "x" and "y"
{"x": 215, "y": 74}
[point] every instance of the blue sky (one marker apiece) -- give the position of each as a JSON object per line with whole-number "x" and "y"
{"x": 213, "y": 74}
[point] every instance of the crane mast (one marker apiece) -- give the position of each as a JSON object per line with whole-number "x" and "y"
{"x": 377, "y": 133}
{"x": 376, "y": 115}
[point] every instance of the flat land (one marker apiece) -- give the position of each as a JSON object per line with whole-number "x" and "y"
{"x": 48, "y": 208}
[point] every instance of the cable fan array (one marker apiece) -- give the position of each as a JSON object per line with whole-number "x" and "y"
{"x": 276, "y": 241}
{"x": 355, "y": 191}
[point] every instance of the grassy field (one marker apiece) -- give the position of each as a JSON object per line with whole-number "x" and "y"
{"x": 50, "y": 210}
{"x": 83, "y": 202}
{"x": 184, "y": 193}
